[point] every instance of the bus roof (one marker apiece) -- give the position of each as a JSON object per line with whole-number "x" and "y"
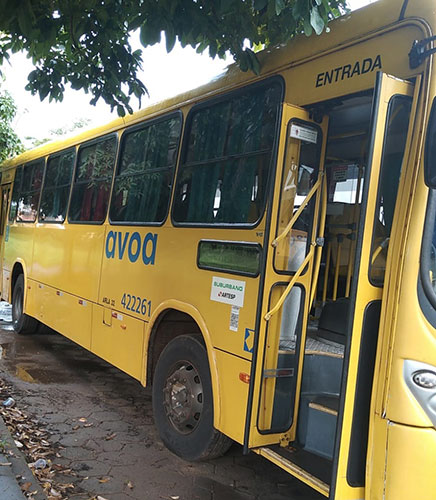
{"x": 351, "y": 26}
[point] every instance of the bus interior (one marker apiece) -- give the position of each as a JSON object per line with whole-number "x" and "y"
{"x": 327, "y": 328}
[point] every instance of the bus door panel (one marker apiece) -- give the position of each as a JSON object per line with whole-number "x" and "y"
{"x": 292, "y": 259}
{"x": 288, "y": 403}
{"x": 392, "y": 118}
{"x": 4, "y": 201}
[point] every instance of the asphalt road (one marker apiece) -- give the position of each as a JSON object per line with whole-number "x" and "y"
{"x": 102, "y": 435}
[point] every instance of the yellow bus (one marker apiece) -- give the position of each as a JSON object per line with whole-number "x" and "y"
{"x": 261, "y": 250}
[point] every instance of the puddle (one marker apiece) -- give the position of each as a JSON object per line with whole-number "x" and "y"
{"x": 37, "y": 375}
{"x": 46, "y": 358}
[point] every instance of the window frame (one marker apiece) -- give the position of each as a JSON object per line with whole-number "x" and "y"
{"x": 277, "y": 79}
{"x": 251, "y": 244}
{"x": 311, "y": 203}
{"x": 101, "y": 138}
{"x": 426, "y": 293}
{"x": 57, "y": 154}
{"x": 14, "y": 218}
{"x": 139, "y": 126}
{"x": 429, "y": 227}
{"x": 23, "y": 166}
{"x": 401, "y": 97}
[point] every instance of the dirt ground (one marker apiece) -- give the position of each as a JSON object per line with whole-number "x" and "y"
{"x": 102, "y": 437}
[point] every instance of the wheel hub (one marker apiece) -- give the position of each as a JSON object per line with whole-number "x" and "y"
{"x": 183, "y": 397}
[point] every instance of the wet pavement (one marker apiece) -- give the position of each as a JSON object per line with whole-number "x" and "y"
{"x": 101, "y": 428}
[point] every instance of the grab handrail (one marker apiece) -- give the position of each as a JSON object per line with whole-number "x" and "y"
{"x": 297, "y": 214}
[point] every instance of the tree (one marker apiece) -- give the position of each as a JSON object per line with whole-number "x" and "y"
{"x": 10, "y": 144}
{"x": 85, "y": 43}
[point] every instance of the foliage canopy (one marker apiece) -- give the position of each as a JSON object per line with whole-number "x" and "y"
{"x": 85, "y": 43}
{"x": 10, "y": 144}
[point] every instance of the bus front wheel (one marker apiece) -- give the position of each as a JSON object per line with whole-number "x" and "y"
{"x": 21, "y": 322}
{"x": 183, "y": 403}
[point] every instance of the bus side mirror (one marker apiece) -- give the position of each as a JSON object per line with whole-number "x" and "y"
{"x": 430, "y": 150}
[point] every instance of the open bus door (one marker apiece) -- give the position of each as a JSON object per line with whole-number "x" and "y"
{"x": 5, "y": 195}
{"x": 309, "y": 399}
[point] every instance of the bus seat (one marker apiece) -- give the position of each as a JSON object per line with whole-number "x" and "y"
{"x": 332, "y": 325}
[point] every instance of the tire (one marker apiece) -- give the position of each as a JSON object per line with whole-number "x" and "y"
{"x": 186, "y": 425}
{"x": 21, "y": 322}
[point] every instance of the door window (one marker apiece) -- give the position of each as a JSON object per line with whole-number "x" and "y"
{"x": 300, "y": 173}
{"x": 397, "y": 125}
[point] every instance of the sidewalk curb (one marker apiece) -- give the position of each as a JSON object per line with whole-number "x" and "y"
{"x": 9, "y": 484}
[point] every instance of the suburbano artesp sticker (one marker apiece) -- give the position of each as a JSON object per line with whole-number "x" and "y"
{"x": 227, "y": 291}
{"x": 121, "y": 244}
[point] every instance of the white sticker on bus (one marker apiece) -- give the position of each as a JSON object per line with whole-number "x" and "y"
{"x": 307, "y": 134}
{"x": 228, "y": 291}
{"x": 234, "y": 318}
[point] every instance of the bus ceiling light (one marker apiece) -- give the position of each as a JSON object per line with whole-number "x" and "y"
{"x": 425, "y": 379}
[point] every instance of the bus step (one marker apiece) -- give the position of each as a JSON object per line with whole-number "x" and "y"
{"x": 298, "y": 463}
{"x": 317, "y": 424}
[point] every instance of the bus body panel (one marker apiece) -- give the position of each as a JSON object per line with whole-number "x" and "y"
{"x": 138, "y": 273}
{"x": 410, "y": 454}
{"x": 119, "y": 339}
{"x": 107, "y": 286}
{"x": 61, "y": 311}
{"x": 68, "y": 257}
{"x": 19, "y": 242}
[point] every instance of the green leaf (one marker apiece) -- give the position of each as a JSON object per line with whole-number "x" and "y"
{"x": 213, "y": 49}
{"x": 170, "y": 39}
{"x": 121, "y": 111}
{"x": 316, "y": 21}
{"x": 254, "y": 61}
{"x": 259, "y": 4}
{"x": 280, "y": 5}
{"x": 307, "y": 27}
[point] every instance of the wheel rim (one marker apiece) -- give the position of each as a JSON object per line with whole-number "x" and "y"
{"x": 183, "y": 397}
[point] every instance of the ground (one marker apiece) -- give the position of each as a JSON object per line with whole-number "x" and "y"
{"x": 102, "y": 436}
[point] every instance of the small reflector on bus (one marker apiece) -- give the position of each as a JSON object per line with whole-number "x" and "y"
{"x": 123, "y": 327}
{"x": 244, "y": 377}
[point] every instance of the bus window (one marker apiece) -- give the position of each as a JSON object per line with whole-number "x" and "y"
{"x": 16, "y": 193}
{"x": 227, "y": 157}
{"x": 90, "y": 196}
{"x": 393, "y": 152}
{"x": 144, "y": 176}
{"x": 299, "y": 175}
{"x": 57, "y": 182}
{"x": 27, "y": 189}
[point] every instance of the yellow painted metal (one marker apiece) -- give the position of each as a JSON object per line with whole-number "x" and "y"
{"x": 410, "y": 474}
{"x": 297, "y": 214}
{"x": 73, "y": 287}
{"x": 406, "y": 335}
{"x": 278, "y": 285}
{"x": 326, "y": 272}
{"x": 339, "y": 238}
{"x": 61, "y": 311}
{"x": 295, "y": 470}
{"x": 121, "y": 343}
{"x": 233, "y": 391}
{"x": 319, "y": 247}
{"x": 366, "y": 293}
